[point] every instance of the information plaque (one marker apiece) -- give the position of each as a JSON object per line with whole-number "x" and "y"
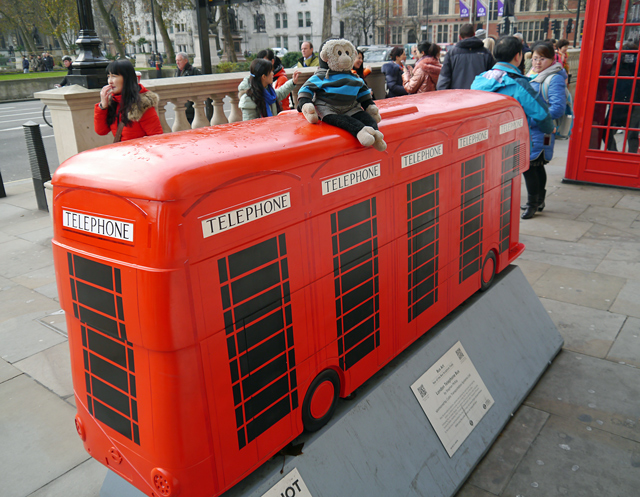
{"x": 453, "y": 396}
{"x": 290, "y": 486}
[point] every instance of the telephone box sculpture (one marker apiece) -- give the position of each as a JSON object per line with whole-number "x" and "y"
{"x": 224, "y": 286}
{"x": 604, "y": 143}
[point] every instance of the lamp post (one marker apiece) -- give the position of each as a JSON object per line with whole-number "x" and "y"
{"x": 89, "y": 67}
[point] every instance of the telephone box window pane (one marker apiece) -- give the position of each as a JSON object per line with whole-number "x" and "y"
{"x": 599, "y": 115}
{"x": 619, "y": 115}
{"x": 609, "y": 64}
{"x": 617, "y": 10}
{"x": 605, "y": 90}
{"x": 598, "y": 138}
{"x": 612, "y": 37}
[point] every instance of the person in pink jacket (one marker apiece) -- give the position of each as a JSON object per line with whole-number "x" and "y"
{"x": 424, "y": 76}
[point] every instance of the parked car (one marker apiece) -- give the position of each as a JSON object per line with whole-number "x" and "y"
{"x": 376, "y": 53}
{"x": 279, "y": 51}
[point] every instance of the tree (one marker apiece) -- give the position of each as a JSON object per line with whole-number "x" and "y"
{"x": 62, "y": 16}
{"x": 229, "y": 49}
{"x": 105, "y": 12}
{"x": 360, "y": 17}
{"x": 326, "y": 20}
{"x": 23, "y": 16}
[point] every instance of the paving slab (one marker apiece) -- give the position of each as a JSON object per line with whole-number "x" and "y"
{"x": 628, "y": 299}
{"x": 51, "y": 368}
{"x": 84, "y": 480}
{"x": 627, "y": 346}
{"x": 26, "y": 199}
{"x": 7, "y": 371}
{"x": 41, "y": 236}
{"x": 18, "y": 301}
{"x": 49, "y": 291}
{"x": 20, "y": 257}
{"x": 6, "y": 238}
{"x": 579, "y": 287}
{"x": 566, "y": 460}
{"x": 587, "y": 194}
{"x": 532, "y": 270}
{"x": 607, "y": 216}
{"x": 594, "y": 393}
{"x": 9, "y": 213}
{"x": 622, "y": 262}
{"x": 38, "y": 436}
{"x": 585, "y": 330}
{"x": 55, "y": 321}
{"x": 24, "y": 336}
{"x": 554, "y": 228}
{"x": 37, "y": 278}
{"x": 558, "y": 208}
{"x": 469, "y": 490}
{"x": 609, "y": 233}
{"x": 497, "y": 466}
{"x": 39, "y": 220}
{"x": 562, "y": 253}
{"x": 630, "y": 201}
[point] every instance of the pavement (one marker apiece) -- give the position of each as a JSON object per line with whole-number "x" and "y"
{"x": 576, "y": 434}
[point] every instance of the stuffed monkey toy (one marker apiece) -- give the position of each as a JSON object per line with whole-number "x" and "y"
{"x": 340, "y": 98}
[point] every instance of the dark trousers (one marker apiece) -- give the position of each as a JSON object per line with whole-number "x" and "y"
{"x": 536, "y": 177}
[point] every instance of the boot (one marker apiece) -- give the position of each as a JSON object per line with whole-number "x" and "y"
{"x": 541, "y": 197}
{"x": 532, "y": 207}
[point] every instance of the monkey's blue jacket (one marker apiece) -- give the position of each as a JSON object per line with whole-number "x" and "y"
{"x": 336, "y": 92}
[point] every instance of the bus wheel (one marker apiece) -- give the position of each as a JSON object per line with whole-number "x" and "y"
{"x": 321, "y": 399}
{"x": 488, "y": 271}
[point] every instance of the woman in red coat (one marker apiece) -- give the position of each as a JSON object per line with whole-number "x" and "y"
{"x": 126, "y": 101}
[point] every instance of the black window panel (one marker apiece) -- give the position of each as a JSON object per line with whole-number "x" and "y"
{"x": 239, "y": 416}
{"x": 283, "y": 245}
{"x": 473, "y": 165}
{"x": 226, "y": 297}
{"x": 471, "y": 227}
{"x": 107, "y": 348}
{"x": 250, "y": 258}
{"x": 257, "y": 307}
{"x": 355, "y": 235}
{"x": 132, "y": 367}
{"x": 471, "y": 241}
{"x": 110, "y": 396}
{"x": 267, "y": 419}
{"x": 99, "y": 322}
{"x": 472, "y": 254}
{"x": 357, "y": 296}
{"x": 93, "y": 272}
{"x": 73, "y": 290}
{"x": 358, "y": 314}
{"x": 87, "y": 381}
{"x": 222, "y": 270}
{"x": 285, "y": 269}
{"x": 231, "y": 346}
{"x": 355, "y": 256}
{"x": 112, "y": 419}
{"x": 260, "y": 378}
{"x": 424, "y": 255}
{"x": 423, "y": 186}
{"x": 120, "y": 307}
{"x": 97, "y": 299}
{"x": 472, "y": 196}
{"x": 424, "y": 272}
{"x": 70, "y": 263}
{"x": 424, "y": 238}
{"x": 424, "y": 288}
{"x": 423, "y": 221}
{"x": 354, "y": 214}
{"x": 471, "y": 212}
{"x": 132, "y": 386}
{"x": 424, "y": 203}
{"x": 260, "y": 330}
{"x": 359, "y": 333}
{"x": 134, "y": 410}
{"x": 118, "y": 280}
{"x": 259, "y": 402}
{"x": 242, "y": 441}
{"x": 356, "y": 276}
{"x": 471, "y": 269}
{"x": 266, "y": 351}
{"x": 109, "y": 373}
{"x": 256, "y": 282}
{"x": 360, "y": 351}
{"x": 473, "y": 181}
{"x": 423, "y": 304}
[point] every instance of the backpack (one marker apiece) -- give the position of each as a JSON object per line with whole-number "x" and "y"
{"x": 565, "y": 123}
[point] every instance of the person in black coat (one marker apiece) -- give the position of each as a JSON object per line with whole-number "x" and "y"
{"x": 66, "y": 62}
{"x": 464, "y": 61}
{"x": 393, "y": 72}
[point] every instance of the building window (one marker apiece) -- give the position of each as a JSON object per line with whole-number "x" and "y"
{"x": 285, "y": 42}
{"x": 137, "y": 28}
{"x": 300, "y": 20}
{"x": 300, "y": 40}
{"x": 308, "y": 18}
{"x": 427, "y": 7}
{"x": 241, "y": 23}
{"x": 183, "y": 27}
{"x": 443, "y": 7}
{"x": 396, "y": 35}
{"x": 412, "y": 7}
{"x": 278, "y": 41}
{"x": 542, "y": 5}
{"x": 278, "y": 22}
{"x": 443, "y": 33}
{"x": 171, "y": 29}
{"x": 381, "y": 40}
{"x": 456, "y": 33}
{"x": 148, "y": 27}
{"x": 525, "y": 5}
{"x": 285, "y": 20}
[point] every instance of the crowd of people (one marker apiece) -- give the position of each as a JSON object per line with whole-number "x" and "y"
{"x": 37, "y": 63}
{"x": 536, "y": 77}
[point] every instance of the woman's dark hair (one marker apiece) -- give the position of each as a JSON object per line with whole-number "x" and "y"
{"x": 507, "y": 48}
{"x": 561, "y": 43}
{"x": 395, "y": 53}
{"x": 424, "y": 47}
{"x": 130, "y": 94}
{"x": 259, "y": 68}
{"x": 544, "y": 48}
{"x": 360, "y": 70}
{"x": 433, "y": 51}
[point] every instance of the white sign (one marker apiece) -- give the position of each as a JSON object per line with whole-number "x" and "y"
{"x": 232, "y": 219}
{"x": 453, "y": 396}
{"x": 480, "y": 136}
{"x": 290, "y": 486}
{"x": 349, "y": 179}
{"x": 422, "y": 155}
{"x": 505, "y": 128}
{"x": 100, "y": 226}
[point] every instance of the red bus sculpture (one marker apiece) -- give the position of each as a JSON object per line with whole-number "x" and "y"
{"x": 225, "y": 285}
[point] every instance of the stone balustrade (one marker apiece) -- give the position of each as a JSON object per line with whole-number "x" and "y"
{"x": 72, "y": 107}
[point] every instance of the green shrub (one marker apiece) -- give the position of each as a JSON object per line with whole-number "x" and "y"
{"x": 225, "y": 67}
{"x": 290, "y": 59}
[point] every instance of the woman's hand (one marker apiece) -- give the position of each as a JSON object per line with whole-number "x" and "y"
{"x": 105, "y": 93}
{"x": 296, "y": 74}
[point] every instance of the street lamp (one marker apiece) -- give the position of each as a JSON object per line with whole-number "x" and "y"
{"x": 89, "y": 67}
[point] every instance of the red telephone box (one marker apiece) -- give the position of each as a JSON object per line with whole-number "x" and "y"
{"x": 604, "y": 144}
{"x": 224, "y": 286}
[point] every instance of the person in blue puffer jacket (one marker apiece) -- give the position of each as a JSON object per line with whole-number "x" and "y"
{"x": 548, "y": 79}
{"x": 506, "y": 78}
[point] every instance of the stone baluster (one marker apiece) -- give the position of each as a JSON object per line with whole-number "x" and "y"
{"x": 162, "y": 115}
{"x": 200, "y": 118}
{"x": 181, "y": 123}
{"x": 236, "y": 113}
{"x": 218, "y": 110}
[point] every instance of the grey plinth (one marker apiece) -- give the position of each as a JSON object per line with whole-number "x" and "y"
{"x": 381, "y": 443}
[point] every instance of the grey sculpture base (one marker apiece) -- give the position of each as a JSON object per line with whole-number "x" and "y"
{"x": 381, "y": 442}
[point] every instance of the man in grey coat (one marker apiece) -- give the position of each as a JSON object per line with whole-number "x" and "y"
{"x": 464, "y": 61}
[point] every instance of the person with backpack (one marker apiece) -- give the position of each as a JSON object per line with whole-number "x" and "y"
{"x": 505, "y": 78}
{"x": 548, "y": 78}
